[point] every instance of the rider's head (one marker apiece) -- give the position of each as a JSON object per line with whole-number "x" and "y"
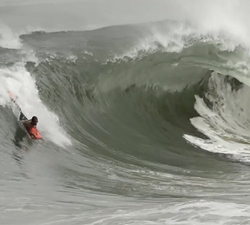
{"x": 34, "y": 121}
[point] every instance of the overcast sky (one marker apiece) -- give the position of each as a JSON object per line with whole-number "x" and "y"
{"x": 83, "y": 14}
{"x": 88, "y": 14}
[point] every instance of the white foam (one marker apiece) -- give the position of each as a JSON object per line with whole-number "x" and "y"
{"x": 8, "y": 39}
{"x": 227, "y": 124}
{"x": 72, "y": 58}
{"x": 160, "y": 213}
{"x": 222, "y": 22}
{"x": 18, "y": 80}
{"x": 178, "y": 36}
{"x": 157, "y": 40}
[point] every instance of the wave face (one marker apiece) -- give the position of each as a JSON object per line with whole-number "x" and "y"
{"x": 141, "y": 123}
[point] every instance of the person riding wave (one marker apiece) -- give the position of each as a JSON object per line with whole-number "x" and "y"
{"x": 29, "y": 124}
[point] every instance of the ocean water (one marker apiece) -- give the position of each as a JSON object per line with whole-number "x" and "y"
{"x": 143, "y": 123}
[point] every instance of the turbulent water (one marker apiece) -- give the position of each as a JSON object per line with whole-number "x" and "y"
{"x": 141, "y": 124}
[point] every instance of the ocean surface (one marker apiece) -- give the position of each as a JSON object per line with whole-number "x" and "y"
{"x": 142, "y": 124}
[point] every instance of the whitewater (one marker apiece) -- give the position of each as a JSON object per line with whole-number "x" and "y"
{"x": 144, "y": 112}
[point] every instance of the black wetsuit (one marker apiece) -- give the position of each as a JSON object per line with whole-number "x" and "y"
{"x": 22, "y": 116}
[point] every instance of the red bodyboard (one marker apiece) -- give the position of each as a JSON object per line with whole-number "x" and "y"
{"x": 36, "y": 133}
